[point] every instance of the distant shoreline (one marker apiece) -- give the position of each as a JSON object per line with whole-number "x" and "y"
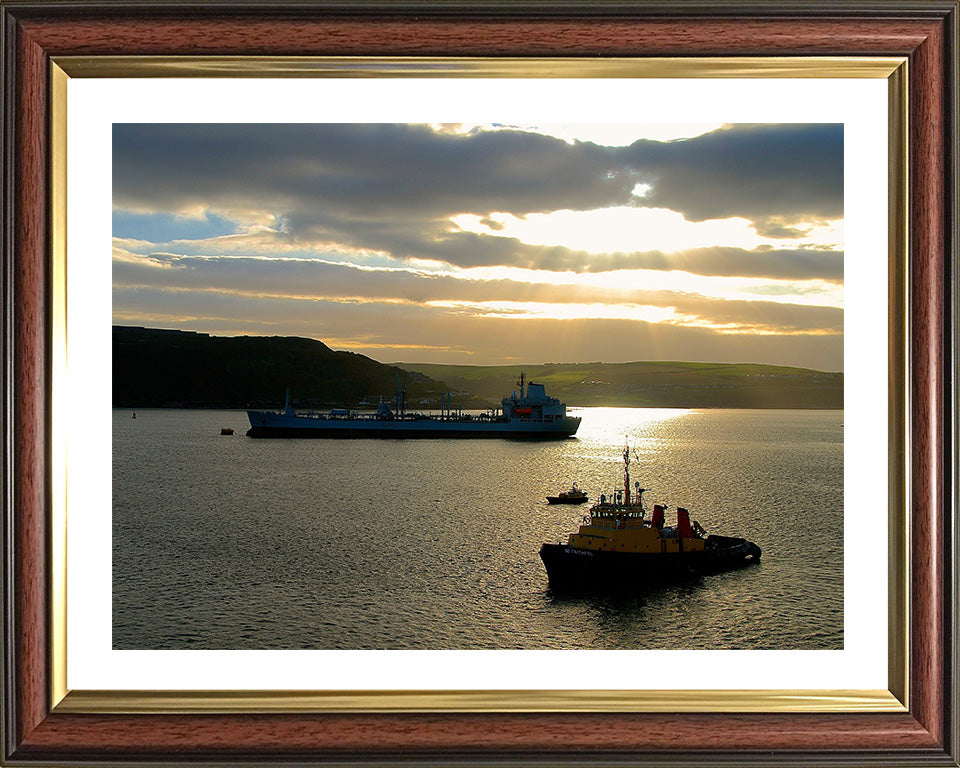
{"x": 156, "y": 368}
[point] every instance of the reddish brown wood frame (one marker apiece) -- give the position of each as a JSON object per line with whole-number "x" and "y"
{"x": 926, "y": 32}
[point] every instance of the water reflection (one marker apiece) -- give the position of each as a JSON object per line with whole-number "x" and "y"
{"x": 597, "y": 451}
{"x": 702, "y": 611}
{"x": 628, "y": 594}
{"x": 611, "y": 426}
{"x": 237, "y": 543}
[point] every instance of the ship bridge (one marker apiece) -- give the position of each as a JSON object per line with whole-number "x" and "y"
{"x": 532, "y": 402}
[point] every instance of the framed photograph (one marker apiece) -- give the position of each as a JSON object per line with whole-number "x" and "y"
{"x": 457, "y": 185}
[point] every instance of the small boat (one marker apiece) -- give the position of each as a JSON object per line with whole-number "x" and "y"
{"x": 573, "y": 496}
{"x": 226, "y": 431}
{"x": 619, "y": 548}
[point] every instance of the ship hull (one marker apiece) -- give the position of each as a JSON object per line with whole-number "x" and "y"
{"x": 269, "y": 425}
{"x": 574, "y": 568}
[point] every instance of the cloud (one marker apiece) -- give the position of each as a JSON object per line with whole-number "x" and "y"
{"x": 470, "y": 250}
{"x": 359, "y": 172}
{"x": 315, "y": 229}
{"x": 796, "y": 264}
{"x": 395, "y": 187}
{"x": 785, "y": 173}
{"x": 249, "y": 282}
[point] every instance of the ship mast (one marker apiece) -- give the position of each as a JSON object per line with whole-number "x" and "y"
{"x": 400, "y": 396}
{"x": 626, "y": 475}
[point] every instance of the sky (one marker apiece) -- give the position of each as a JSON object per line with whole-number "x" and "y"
{"x": 488, "y": 244}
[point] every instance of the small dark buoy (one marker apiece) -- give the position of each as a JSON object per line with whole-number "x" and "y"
{"x": 226, "y": 431}
{"x": 134, "y": 414}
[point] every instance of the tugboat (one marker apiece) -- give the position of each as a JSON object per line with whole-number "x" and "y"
{"x": 573, "y": 496}
{"x": 617, "y": 546}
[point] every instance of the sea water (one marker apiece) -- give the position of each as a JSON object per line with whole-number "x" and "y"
{"x": 227, "y": 542}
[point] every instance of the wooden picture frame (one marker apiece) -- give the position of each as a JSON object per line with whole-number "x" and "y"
{"x": 37, "y": 730}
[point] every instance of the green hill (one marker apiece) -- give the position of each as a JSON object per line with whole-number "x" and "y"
{"x": 157, "y": 368}
{"x": 654, "y": 384}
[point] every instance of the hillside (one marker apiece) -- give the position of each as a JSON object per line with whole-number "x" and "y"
{"x": 654, "y": 384}
{"x": 157, "y": 368}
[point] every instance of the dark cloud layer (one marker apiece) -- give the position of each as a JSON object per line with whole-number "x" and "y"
{"x": 766, "y": 173}
{"x": 394, "y": 187}
{"x": 359, "y": 172}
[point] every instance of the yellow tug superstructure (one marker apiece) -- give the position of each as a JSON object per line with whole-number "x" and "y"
{"x": 617, "y": 544}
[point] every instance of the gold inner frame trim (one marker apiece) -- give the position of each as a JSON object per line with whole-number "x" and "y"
{"x": 898, "y": 383}
{"x": 892, "y": 69}
{"x": 401, "y": 66}
{"x": 58, "y": 371}
{"x": 235, "y": 702}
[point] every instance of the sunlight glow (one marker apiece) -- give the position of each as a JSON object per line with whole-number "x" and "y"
{"x": 635, "y": 230}
{"x": 605, "y": 134}
{"x": 609, "y": 428}
{"x": 811, "y": 293}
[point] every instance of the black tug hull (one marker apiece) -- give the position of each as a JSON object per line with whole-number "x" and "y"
{"x": 575, "y": 568}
